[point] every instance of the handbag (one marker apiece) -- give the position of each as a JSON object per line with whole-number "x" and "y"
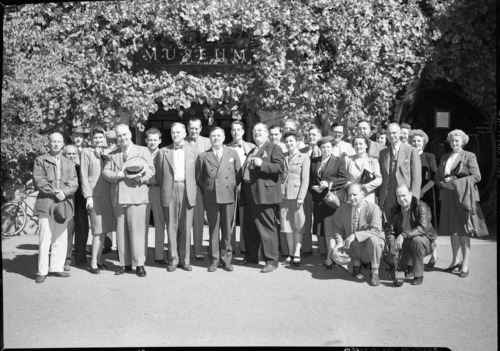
{"x": 367, "y": 176}
{"x": 332, "y": 200}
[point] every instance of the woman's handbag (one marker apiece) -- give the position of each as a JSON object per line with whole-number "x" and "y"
{"x": 367, "y": 176}
{"x": 332, "y": 200}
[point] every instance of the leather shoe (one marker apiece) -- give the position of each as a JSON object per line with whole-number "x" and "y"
{"x": 171, "y": 268}
{"x": 102, "y": 266}
{"x": 94, "y": 270}
{"x": 67, "y": 267}
{"x": 244, "y": 263}
{"x": 417, "y": 281}
{"x": 228, "y": 268}
{"x": 356, "y": 272}
{"x": 123, "y": 269}
{"x": 375, "y": 280}
{"x": 161, "y": 262}
{"x": 410, "y": 274}
{"x": 199, "y": 257}
{"x": 40, "y": 278}
{"x": 59, "y": 274}
{"x": 268, "y": 268}
{"x": 212, "y": 267}
{"x": 185, "y": 267}
{"x": 140, "y": 271}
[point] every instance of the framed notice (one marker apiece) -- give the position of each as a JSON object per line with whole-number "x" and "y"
{"x": 443, "y": 119}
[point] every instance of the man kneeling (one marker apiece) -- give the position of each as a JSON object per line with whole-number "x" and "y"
{"x": 410, "y": 229}
{"x": 361, "y": 222}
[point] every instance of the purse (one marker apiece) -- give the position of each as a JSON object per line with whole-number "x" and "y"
{"x": 367, "y": 176}
{"x": 332, "y": 200}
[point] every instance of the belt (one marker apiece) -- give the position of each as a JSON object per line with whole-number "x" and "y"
{"x": 153, "y": 185}
{"x": 179, "y": 181}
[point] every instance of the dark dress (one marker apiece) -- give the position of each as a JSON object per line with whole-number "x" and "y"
{"x": 335, "y": 174}
{"x": 429, "y": 169}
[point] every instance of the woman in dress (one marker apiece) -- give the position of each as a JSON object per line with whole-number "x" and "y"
{"x": 361, "y": 162}
{"x": 295, "y": 187}
{"x": 457, "y": 171}
{"x": 328, "y": 173}
{"x": 96, "y": 191}
{"x": 427, "y": 194}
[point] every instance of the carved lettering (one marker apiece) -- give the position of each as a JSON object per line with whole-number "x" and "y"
{"x": 237, "y": 56}
{"x": 152, "y": 55}
{"x": 223, "y": 58}
{"x": 202, "y": 54}
{"x": 167, "y": 54}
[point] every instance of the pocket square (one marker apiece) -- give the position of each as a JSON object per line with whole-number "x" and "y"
{"x": 231, "y": 160}
{"x": 264, "y": 154}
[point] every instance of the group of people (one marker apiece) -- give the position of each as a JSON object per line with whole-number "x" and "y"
{"x": 361, "y": 198}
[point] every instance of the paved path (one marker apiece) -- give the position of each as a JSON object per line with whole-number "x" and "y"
{"x": 304, "y": 306}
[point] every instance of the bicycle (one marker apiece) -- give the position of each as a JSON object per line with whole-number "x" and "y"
{"x": 15, "y": 214}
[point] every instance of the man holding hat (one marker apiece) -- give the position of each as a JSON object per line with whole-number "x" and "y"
{"x": 360, "y": 223}
{"x": 128, "y": 170}
{"x": 55, "y": 178}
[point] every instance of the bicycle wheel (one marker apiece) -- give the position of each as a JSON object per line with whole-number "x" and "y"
{"x": 13, "y": 219}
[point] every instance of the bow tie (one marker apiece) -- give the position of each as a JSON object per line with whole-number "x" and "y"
{"x": 179, "y": 147}
{"x": 238, "y": 145}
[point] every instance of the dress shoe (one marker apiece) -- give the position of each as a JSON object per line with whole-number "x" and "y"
{"x": 228, "y": 268}
{"x": 161, "y": 262}
{"x": 171, "y": 268}
{"x": 464, "y": 274}
{"x": 245, "y": 263}
{"x": 40, "y": 278}
{"x": 59, "y": 274}
{"x": 185, "y": 267}
{"x": 410, "y": 273}
{"x": 199, "y": 257}
{"x": 307, "y": 253}
{"x": 375, "y": 280}
{"x": 140, "y": 271}
{"x": 296, "y": 261}
{"x": 287, "y": 261}
{"x": 67, "y": 267}
{"x": 212, "y": 267}
{"x": 453, "y": 268}
{"x": 123, "y": 269}
{"x": 94, "y": 270}
{"x": 417, "y": 281}
{"x": 356, "y": 272}
{"x": 102, "y": 266}
{"x": 268, "y": 268}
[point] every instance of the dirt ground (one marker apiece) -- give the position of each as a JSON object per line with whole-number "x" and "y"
{"x": 291, "y": 306}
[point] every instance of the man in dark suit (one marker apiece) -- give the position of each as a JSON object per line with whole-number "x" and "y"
{"x": 217, "y": 171}
{"x": 410, "y": 229}
{"x": 130, "y": 196}
{"x": 242, "y": 148}
{"x": 374, "y": 147}
{"x": 261, "y": 192}
{"x": 175, "y": 172}
{"x": 399, "y": 164}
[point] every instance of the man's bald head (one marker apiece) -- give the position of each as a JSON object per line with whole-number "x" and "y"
{"x": 71, "y": 152}
{"x": 56, "y": 143}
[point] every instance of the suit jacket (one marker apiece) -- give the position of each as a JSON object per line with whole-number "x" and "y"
{"x": 202, "y": 144}
{"x": 311, "y": 153}
{"x": 44, "y": 180}
{"x": 408, "y": 170}
{"x": 247, "y": 147}
{"x": 296, "y": 181}
{"x": 375, "y": 148}
{"x": 334, "y": 173}
{"x": 370, "y": 222}
{"x": 265, "y": 182}
{"x": 218, "y": 181}
{"x": 469, "y": 168}
{"x": 164, "y": 166}
{"x": 128, "y": 191}
{"x": 92, "y": 182}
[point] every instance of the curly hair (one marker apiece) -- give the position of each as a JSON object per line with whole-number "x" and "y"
{"x": 365, "y": 138}
{"x": 420, "y": 133}
{"x": 460, "y": 133}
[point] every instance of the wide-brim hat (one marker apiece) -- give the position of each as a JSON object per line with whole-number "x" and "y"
{"x": 340, "y": 257}
{"x": 134, "y": 166}
{"x": 80, "y": 130}
{"x": 325, "y": 139}
{"x": 61, "y": 211}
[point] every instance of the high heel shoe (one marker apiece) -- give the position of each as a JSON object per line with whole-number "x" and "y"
{"x": 287, "y": 261}
{"x": 464, "y": 274}
{"x": 94, "y": 270}
{"x": 296, "y": 261}
{"x": 452, "y": 268}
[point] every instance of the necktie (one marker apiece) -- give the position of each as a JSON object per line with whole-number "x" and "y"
{"x": 58, "y": 171}
{"x": 355, "y": 220}
{"x": 125, "y": 155}
{"x": 320, "y": 169}
{"x": 218, "y": 154}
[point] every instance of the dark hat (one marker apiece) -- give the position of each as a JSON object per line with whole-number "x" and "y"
{"x": 110, "y": 134}
{"x": 134, "y": 166}
{"x": 61, "y": 211}
{"x": 340, "y": 257}
{"x": 325, "y": 139}
{"x": 80, "y": 130}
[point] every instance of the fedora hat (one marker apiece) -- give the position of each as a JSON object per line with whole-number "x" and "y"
{"x": 134, "y": 166}
{"x": 340, "y": 257}
{"x": 80, "y": 130}
{"x": 61, "y": 211}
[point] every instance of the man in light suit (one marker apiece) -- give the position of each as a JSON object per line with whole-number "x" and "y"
{"x": 374, "y": 147}
{"x": 261, "y": 193}
{"x": 360, "y": 224}
{"x": 129, "y": 195}
{"x": 217, "y": 171}
{"x": 399, "y": 164}
{"x": 201, "y": 144}
{"x": 340, "y": 147}
{"x": 242, "y": 148}
{"x": 153, "y": 141}
{"x": 312, "y": 150}
{"x": 175, "y": 172}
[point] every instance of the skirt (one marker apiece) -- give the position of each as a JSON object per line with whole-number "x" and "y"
{"x": 102, "y": 218}
{"x": 453, "y": 219}
{"x": 292, "y": 217}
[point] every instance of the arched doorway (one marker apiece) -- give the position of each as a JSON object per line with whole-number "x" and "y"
{"x": 418, "y": 108}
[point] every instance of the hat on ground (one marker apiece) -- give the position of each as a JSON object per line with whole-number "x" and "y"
{"x": 110, "y": 134}
{"x": 134, "y": 166}
{"x": 326, "y": 139}
{"x": 340, "y": 257}
{"x": 61, "y": 211}
{"x": 80, "y": 130}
